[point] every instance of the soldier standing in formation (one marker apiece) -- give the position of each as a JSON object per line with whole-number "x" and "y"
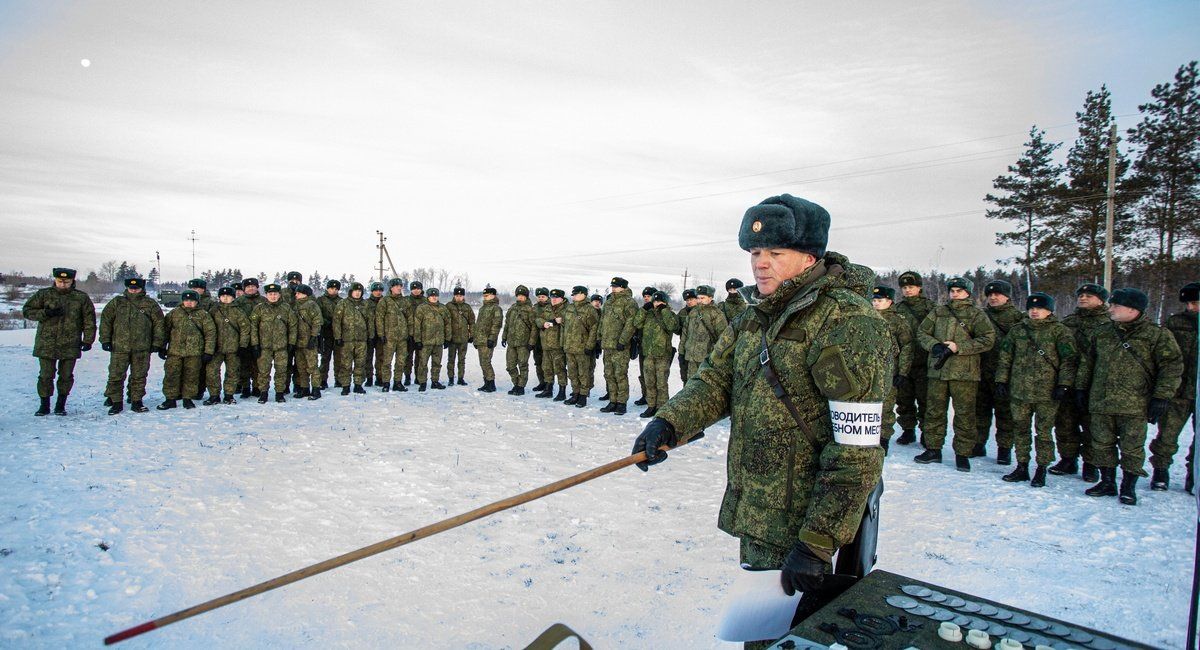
{"x": 1126, "y": 378}
{"x": 1035, "y": 370}
{"x": 657, "y": 326}
{"x": 900, "y": 330}
{"x": 955, "y": 335}
{"x": 416, "y": 297}
{"x": 66, "y": 329}
{"x": 734, "y": 304}
{"x": 287, "y": 295}
{"x": 131, "y": 329}
{"x": 635, "y": 345}
{"x": 910, "y": 395}
{"x": 352, "y": 328}
{"x": 617, "y": 325}
{"x": 542, "y": 296}
{"x": 487, "y": 332}
{"x": 580, "y": 338}
{"x": 330, "y": 353}
{"x": 191, "y": 340}
{"x": 393, "y": 326}
{"x": 520, "y": 332}
{"x": 826, "y": 355}
{"x": 248, "y": 368}
{"x": 1072, "y": 430}
{"x": 309, "y": 322}
{"x": 462, "y": 332}
{"x": 374, "y": 349}
{"x": 550, "y": 323}
{"x": 690, "y": 300}
{"x": 233, "y": 340}
{"x": 273, "y": 330}
{"x": 598, "y": 304}
{"x": 1183, "y": 404}
{"x": 704, "y": 325}
{"x": 431, "y": 331}
{"x": 200, "y": 286}
{"x": 1003, "y": 315}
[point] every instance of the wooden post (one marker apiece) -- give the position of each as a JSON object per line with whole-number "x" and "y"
{"x": 1108, "y": 225}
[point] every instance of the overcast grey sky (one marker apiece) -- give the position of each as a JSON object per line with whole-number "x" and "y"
{"x": 531, "y": 141}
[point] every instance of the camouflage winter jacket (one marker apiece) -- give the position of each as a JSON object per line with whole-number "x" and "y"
{"x": 541, "y": 310}
{"x": 328, "y": 305}
{"x": 487, "y": 325}
{"x": 132, "y": 322}
{"x": 1084, "y": 323}
{"x": 372, "y": 304}
{"x": 352, "y": 321}
{"x": 520, "y": 326}
{"x": 462, "y": 321}
{"x": 618, "y": 320}
{"x": 273, "y": 326}
{"x": 1036, "y": 357}
{"x": 581, "y": 328}
{"x": 681, "y": 330}
{"x": 1127, "y": 364}
{"x": 392, "y": 319}
{"x": 704, "y": 326}
{"x": 915, "y": 309}
{"x": 828, "y": 348}
{"x": 247, "y": 302}
{"x": 308, "y": 321}
{"x": 189, "y": 332}
{"x": 233, "y": 328}
{"x": 901, "y": 333}
{"x": 551, "y": 336}
{"x": 656, "y": 328}
{"x": 60, "y": 337}
{"x": 1003, "y": 319}
{"x": 1183, "y": 326}
{"x": 733, "y": 306}
{"x": 431, "y": 324}
{"x": 967, "y": 326}
{"x": 206, "y": 302}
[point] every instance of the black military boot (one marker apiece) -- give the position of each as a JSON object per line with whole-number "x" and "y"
{"x": 547, "y": 390}
{"x": 570, "y": 401}
{"x": 345, "y": 390}
{"x": 1107, "y": 487}
{"x": 229, "y": 399}
{"x": 541, "y": 386}
{"x": 907, "y": 437}
{"x": 518, "y": 390}
{"x": 1039, "y": 477}
{"x": 280, "y": 398}
{"x": 299, "y": 393}
{"x": 421, "y": 387}
{"x": 256, "y": 392}
{"x": 1004, "y": 456}
{"x": 1160, "y": 480}
{"x": 491, "y": 385}
{"x": 1090, "y": 473}
{"x": 980, "y": 451}
{"x": 1129, "y": 488}
{"x": 358, "y": 388}
{"x": 562, "y": 394}
{"x": 386, "y": 388}
{"x": 437, "y": 385}
{"x": 449, "y": 379}
{"x": 963, "y": 463}
{"x": 1019, "y": 475}
{"x": 324, "y": 384}
{"x": 43, "y": 406}
{"x": 512, "y": 391}
{"x": 408, "y": 380}
{"x": 461, "y": 382}
{"x": 641, "y": 401}
{"x": 604, "y": 397}
{"x": 484, "y": 387}
{"x": 138, "y": 407}
{"x": 314, "y": 394}
{"x": 246, "y": 394}
{"x": 108, "y": 401}
{"x": 263, "y": 397}
{"x": 397, "y": 387}
{"x": 1065, "y": 467}
{"x": 212, "y": 399}
{"x": 370, "y": 381}
{"x": 609, "y": 408}
{"x": 167, "y": 405}
{"x": 188, "y": 404}
{"x": 116, "y": 408}
{"x": 648, "y": 413}
{"x": 581, "y": 401}
{"x": 620, "y": 410}
{"x": 929, "y": 456}
{"x": 60, "y": 405}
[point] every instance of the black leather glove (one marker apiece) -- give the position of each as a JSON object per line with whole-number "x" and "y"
{"x": 445, "y": 346}
{"x": 656, "y": 434}
{"x": 503, "y": 344}
{"x": 1060, "y": 393}
{"x": 901, "y": 382}
{"x": 530, "y": 348}
{"x": 84, "y": 347}
{"x": 55, "y": 311}
{"x": 802, "y": 570}
{"x": 257, "y": 351}
{"x": 107, "y": 347}
{"x": 312, "y": 343}
{"x": 470, "y": 339}
{"x": 1081, "y": 399}
{"x": 338, "y": 343}
{"x": 205, "y": 358}
{"x": 1001, "y": 390}
{"x": 491, "y": 343}
{"x": 162, "y": 354}
{"x": 1158, "y": 408}
{"x": 418, "y": 345}
{"x": 596, "y": 353}
{"x": 291, "y": 349}
{"x": 938, "y": 349}
{"x": 411, "y": 341}
{"x": 620, "y": 347}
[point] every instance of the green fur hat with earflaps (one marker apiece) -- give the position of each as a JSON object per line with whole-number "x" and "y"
{"x": 786, "y": 221}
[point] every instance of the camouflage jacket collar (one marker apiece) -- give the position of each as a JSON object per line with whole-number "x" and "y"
{"x": 736, "y": 298}
{"x": 1002, "y": 309}
{"x": 1045, "y": 322}
{"x": 960, "y": 305}
{"x": 1092, "y": 312}
{"x": 801, "y": 291}
{"x": 1132, "y": 326}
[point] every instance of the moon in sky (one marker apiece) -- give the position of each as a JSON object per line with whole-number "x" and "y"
{"x": 85, "y": 62}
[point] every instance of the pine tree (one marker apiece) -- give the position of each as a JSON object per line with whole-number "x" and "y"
{"x": 1168, "y": 171}
{"x": 1074, "y": 247}
{"x": 1032, "y": 185}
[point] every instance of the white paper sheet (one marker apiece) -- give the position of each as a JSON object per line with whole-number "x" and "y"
{"x": 756, "y": 608}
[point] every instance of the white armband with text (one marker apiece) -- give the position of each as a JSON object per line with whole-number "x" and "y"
{"x": 856, "y": 423}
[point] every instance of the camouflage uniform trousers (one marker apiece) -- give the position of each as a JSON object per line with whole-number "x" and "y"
{"x": 429, "y": 366}
{"x": 911, "y": 401}
{"x": 539, "y": 360}
{"x": 555, "y": 366}
{"x": 278, "y": 358}
{"x": 985, "y": 403}
{"x": 181, "y": 377}
{"x": 394, "y": 354}
{"x": 580, "y": 371}
{"x": 683, "y": 369}
{"x": 1073, "y": 433}
{"x": 485, "y": 362}
{"x": 1039, "y": 418}
{"x": 757, "y": 555}
{"x": 409, "y": 362}
{"x": 354, "y": 363}
{"x": 137, "y": 364}
{"x": 642, "y": 376}
{"x": 212, "y": 373}
{"x": 330, "y": 354}
{"x": 456, "y": 356}
{"x": 248, "y": 371}
{"x": 369, "y": 364}
{"x": 1166, "y": 442}
{"x": 657, "y": 372}
{"x": 48, "y": 368}
{"x": 1124, "y": 432}
{"x": 308, "y": 369}
{"x": 937, "y": 406}
{"x": 381, "y": 357}
{"x": 616, "y": 374}
{"x": 517, "y": 364}
{"x": 889, "y": 413}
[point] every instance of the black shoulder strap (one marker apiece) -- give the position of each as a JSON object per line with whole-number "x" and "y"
{"x": 1126, "y": 347}
{"x": 764, "y": 360}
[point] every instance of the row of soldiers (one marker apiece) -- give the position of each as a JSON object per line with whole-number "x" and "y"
{"x": 243, "y": 340}
{"x": 1088, "y": 384}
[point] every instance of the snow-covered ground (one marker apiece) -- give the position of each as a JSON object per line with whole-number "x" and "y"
{"x": 111, "y": 521}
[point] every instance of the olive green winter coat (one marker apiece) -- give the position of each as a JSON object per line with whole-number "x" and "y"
{"x": 132, "y": 322}
{"x": 733, "y": 306}
{"x": 1036, "y": 357}
{"x": 273, "y": 326}
{"x": 581, "y": 328}
{"x": 618, "y": 320}
{"x": 308, "y": 321}
{"x": 1183, "y": 327}
{"x": 1003, "y": 319}
{"x": 489, "y": 322}
{"x": 1127, "y": 364}
{"x": 965, "y": 324}
{"x": 352, "y": 321}
{"x": 462, "y": 321}
{"x": 328, "y": 305}
{"x": 552, "y": 337}
{"x": 60, "y": 337}
{"x": 901, "y": 333}
{"x": 520, "y": 325}
{"x": 431, "y": 324}
{"x": 704, "y": 326}
{"x": 657, "y": 327}
{"x": 189, "y": 332}
{"x": 393, "y": 319}
{"x": 233, "y": 328}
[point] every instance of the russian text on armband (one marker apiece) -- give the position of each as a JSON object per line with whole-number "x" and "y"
{"x": 856, "y": 423}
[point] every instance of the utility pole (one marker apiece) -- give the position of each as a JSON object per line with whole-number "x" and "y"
{"x": 380, "y": 247}
{"x": 1108, "y": 225}
{"x": 685, "y": 277}
{"x": 193, "y": 239}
